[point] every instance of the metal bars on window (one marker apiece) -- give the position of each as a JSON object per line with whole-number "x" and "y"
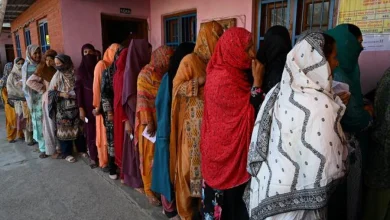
{"x": 313, "y": 15}
{"x": 27, "y": 36}
{"x": 180, "y": 29}
{"x": 44, "y": 36}
{"x": 17, "y": 42}
{"x": 271, "y": 13}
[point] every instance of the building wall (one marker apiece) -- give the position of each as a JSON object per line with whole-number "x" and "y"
{"x": 4, "y": 39}
{"x": 206, "y": 10}
{"x": 82, "y": 21}
{"x": 41, "y": 9}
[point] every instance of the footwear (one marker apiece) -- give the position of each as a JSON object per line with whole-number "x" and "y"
{"x": 43, "y": 155}
{"x": 31, "y": 144}
{"x": 12, "y": 141}
{"x": 113, "y": 177}
{"x": 106, "y": 169}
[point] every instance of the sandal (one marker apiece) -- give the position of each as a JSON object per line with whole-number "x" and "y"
{"x": 12, "y": 141}
{"x": 70, "y": 159}
{"x": 43, "y": 155}
{"x": 154, "y": 201}
{"x": 93, "y": 165}
{"x": 140, "y": 190}
{"x": 84, "y": 155}
{"x": 60, "y": 156}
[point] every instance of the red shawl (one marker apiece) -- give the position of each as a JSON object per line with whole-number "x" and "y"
{"x": 228, "y": 115}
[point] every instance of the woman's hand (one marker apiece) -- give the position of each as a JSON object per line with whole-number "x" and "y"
{"x": 128, "y": 129}
{"x": 82, "y": 114}
{"x": 96, "y": 112}
{"x": 201, "y": 80}
{"x": 258, "y": 73}
{"x": 151, "y": 129}
{"x": 110, "y": 116}
{"x": 345, "y": 97}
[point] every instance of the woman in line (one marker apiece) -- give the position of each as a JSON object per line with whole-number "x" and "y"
{"x": 34, "y": 99}
{"x": 377, "y": 176}
{"x": 125, "y": 101}
{"x": 186, "y": 115}
{"x": 347, "y": 201}
{"x": 272, "y": 54}
{"x": 39, "y": 82}
{"x": 10, "y": 115}
{"x": 101, "y": 136}
{"x": 160, "y": 174}
{"x": 63, "y": 108}
{"x": 228, "y": 120}
{"x": 115, "y": 150}
{"x": 298, "y": 149}
{"x": 148, "y": 82}
{"x": 83, "y": 88}
{"x": 16, "y": 95}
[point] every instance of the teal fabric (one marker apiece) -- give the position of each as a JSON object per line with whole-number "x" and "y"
{"x": 355, "y": 118}
{"x": 160, "y": 179}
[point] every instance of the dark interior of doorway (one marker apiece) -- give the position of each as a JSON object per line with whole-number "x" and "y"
{"x": 116, "y": 29}
{"x": 9, "y": 52}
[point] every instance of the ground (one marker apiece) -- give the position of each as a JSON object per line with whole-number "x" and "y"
{"x": 49, "y": 189}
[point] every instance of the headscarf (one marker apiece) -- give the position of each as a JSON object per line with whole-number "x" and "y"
{"x": 14, "y": 91}
{"x": 149, "y": 81}
{"x": 181, "y": 51}
{"x": 272, "y": 54}
{"x": 297, "y": 151}
{"x": 64, "y": 80}
{"x": 86, "y": 69}
{"x": 6, "y": 72}
{"x": 44, "y": 71}
{"x": 31, "y": 49}
{"x": 120, "y": 64}
{"x": 356, "y": 118}
{"x": 228, "y": 116}
{"x": 138, "y": 56}
{"x": 208, "y": 36}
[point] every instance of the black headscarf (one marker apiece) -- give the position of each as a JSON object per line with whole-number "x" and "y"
{"x": 273, "y": 54}
{"x": 86, "y": 69}
{"x": 181, "y": 51}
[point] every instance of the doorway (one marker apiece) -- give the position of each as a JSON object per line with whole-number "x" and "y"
{"x": 9, "y": 52}
{"x": 121, "y": 30}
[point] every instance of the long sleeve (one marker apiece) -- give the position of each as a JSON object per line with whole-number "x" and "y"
{"x": 185, "y": 82}
{"x": 79, "y": 89}
{"x": 189, "y": 88}
{"x": 36, "y": 83}
{"x": 97, "y": 80}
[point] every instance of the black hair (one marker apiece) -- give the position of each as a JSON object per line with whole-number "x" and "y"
{"x": 355, "y": 30}
{"x": 329, "y": 45}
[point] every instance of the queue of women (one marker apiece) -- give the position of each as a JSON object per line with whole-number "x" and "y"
{"x": 212, "y": 130}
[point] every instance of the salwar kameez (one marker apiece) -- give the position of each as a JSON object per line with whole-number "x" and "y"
{"x": 47, "y": 127}
{"x": 10, "y": 117}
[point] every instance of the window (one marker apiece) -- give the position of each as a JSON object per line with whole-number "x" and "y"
{"x": 271, "y": 13}
{"x": 180, "y": 28}
{"x": 17, "y": 42}
{"x": 44, "y": 36}
{"x": 313, "y": 15}
{"x": 27, "y": 36}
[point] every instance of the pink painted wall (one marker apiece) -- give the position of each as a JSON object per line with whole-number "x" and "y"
{"x": 206, "y": 10}
{"x": 82, "y": 21}
{"x": 372, "y": 66}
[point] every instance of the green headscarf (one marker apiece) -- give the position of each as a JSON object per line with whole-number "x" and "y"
{"x": 348, "y": 50}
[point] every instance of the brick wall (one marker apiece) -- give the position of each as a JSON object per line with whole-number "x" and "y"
{"x": 41, "y": 9}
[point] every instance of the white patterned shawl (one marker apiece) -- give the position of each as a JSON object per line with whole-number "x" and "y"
{"x": 297, "y": 153}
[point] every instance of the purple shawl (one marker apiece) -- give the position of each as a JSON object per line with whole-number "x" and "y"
{"x": 138, "y": 56}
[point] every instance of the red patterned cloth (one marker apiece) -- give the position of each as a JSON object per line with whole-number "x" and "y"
{"x": 228, "y": 115}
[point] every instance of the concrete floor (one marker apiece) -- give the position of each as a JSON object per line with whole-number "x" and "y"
{"x": 49, "y": 189}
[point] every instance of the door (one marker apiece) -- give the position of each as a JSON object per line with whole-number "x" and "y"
{"x": 9, "y": 52}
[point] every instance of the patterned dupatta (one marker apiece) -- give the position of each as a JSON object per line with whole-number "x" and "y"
{"x": 297, "y": 152}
